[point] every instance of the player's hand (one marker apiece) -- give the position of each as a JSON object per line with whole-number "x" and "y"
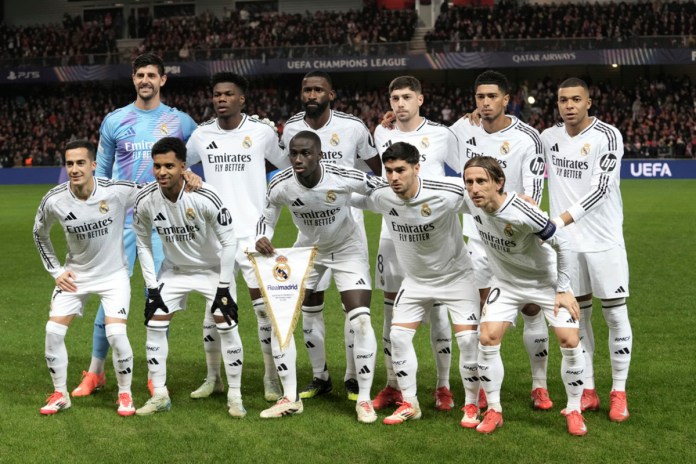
{"x": 66, "y": 282}
{"x": 266, "y": 121}
{"x": 153, "y": 302}
{"x": 388, "y": 120}
{"x": 265, "y": 247}
{"x": 226, "y": 304}
{"x": 474, "y": 117}
{"x": 567, "y": 300}
{"x": 193, "y": 181}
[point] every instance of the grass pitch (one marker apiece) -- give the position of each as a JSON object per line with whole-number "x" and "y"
{"x": 659, "y": 221}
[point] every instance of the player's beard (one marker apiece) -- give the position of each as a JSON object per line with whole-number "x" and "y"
{"x": 315, "y": 112}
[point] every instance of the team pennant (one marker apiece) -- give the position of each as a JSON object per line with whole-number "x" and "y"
{"x": 281, "y": 279}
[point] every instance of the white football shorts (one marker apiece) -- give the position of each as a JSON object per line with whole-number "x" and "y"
{"x": 506, "y": 300}
{"x": 114, "y": 292}
{"x": 602, "y": 273}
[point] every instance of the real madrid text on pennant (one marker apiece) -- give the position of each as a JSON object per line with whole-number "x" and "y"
{"x": 281, "y": 279}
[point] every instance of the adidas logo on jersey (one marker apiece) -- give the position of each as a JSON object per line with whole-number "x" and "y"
{"x": 297, "y": 202}
{"x": 393, "y": 212}
{"x": 387, "y": 145}
{"x": 130, "y": 132}
{"x": 70, "y": 217}
{"x": 122, "y": 311}
{"x": 472, "y": 141}
{"x": 555, "y": 147}
{"x": 620, "y": 290}
{"x": 471, "y": 318}
{"x": 478, "y": 219}
{"x": 360, "y": 282}
{"x": 212, "y": 146}
{"x": 160, "y": 217}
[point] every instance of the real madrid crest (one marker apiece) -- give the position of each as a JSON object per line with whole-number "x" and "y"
{"x": 190, "y": 214}
{"x": 585, "y": 150}
{"x": 334, "y": 139}
{"x": 330, "y": 196}
{"x": 281, "y": 270}
{"x": 425, "y": 210}
{"x": 505, "y": 148}
{"x": 164, "y": 130}
{"x": 508, "y": 230}
{"x": 425, "y": 142}
{"x": 247, "y": 142}
{"x": 103, "y": 207}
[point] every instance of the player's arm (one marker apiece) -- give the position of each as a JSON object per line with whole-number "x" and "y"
{"x": 275, "y": 157}
{"x": 564, "y": 295}
{"x": 193, "y": 157}
{"x": 265, "y": 227}
{"x": 473, "y": 118}
{"x": 142, "y": 225}
{"x": 453, "y": 158}
{"x": 106, "y": 151}
{"x": 606, "y": 169}
{"x": 220, "y": 220}
{"x": 367, "y": 150}
{"x": 533, "y": 169}
{"x": 42, "y": 238}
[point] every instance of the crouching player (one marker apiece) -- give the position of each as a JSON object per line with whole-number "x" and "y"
{"x": 199, "y": 249}
{"x": 530, "y": 264}
{"x": 422, "y": 219}
{"x": 91, "y": 212}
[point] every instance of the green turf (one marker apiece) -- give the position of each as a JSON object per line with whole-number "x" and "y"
{"x": 659, "y": 221}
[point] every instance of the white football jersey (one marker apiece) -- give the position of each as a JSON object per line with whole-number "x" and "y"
{"x": 517, "y": 148}
{"x": 192, "y": 231}
{"x": 345, "y": 140}
{"x": 321, "y": 213}
{"x": 584, "y": 176}
{"x": 425, "y": 229}
{"x": 437, "y": 144}
{"x": 234, "y": 162}
{"x": 93, "y": 228}
{"x": 513, "y": 241}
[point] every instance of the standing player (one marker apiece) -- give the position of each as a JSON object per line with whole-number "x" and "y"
{"x": 584, "y": 159}
{"x": 423, "y": 222}
{"x": 524, "y": 270}
{"x": 519, "y": 151}
{"x": 236, "y": 151}
{"x": 438, "y": 147}
{"x": 346, "y": 143}
{"x": 199, "y": 248}
{"x": 125, "y": 139}
{"x": 318, "y": 196}
{"x": 92, "y": 213}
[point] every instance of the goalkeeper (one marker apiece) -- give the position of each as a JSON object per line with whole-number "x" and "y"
{"x": 199, "y": 254}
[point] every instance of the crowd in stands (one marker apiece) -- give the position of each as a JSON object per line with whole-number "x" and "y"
{"x": 656, "y": 117}
{"x": 272, "y": 35}
{"x": 73, "y": 42}
{"x": 607, "y": 24}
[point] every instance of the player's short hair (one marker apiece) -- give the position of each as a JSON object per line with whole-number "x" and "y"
{"x": 401, "y": 151}
{"x": 83, "y": 143}
{"x": 322, "y": 74}
{"x": 493, "y": 78}
{"x": 167, "y": 144}
{"x": 240, "y": 81}
{"x": 491, "y": 166}
{"x": 308, "y": 135}
{"x": 147, "y": 59}
{"x": 574, "y": 82}
{"x": 406, "y": 82}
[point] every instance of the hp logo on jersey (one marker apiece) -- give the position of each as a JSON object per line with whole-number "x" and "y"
{"x": 608, "y": 162}
{"x": 224, "y": 217}
{"x": 537, "y": 166}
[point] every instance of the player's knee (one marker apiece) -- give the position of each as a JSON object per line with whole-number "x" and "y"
{"x": 489, "y": 337}
{"x": 360, "y": 321}
{"x": 615, "y": 312}
{"x": 568, "y": 338}
{"x": 401, "y": 336}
